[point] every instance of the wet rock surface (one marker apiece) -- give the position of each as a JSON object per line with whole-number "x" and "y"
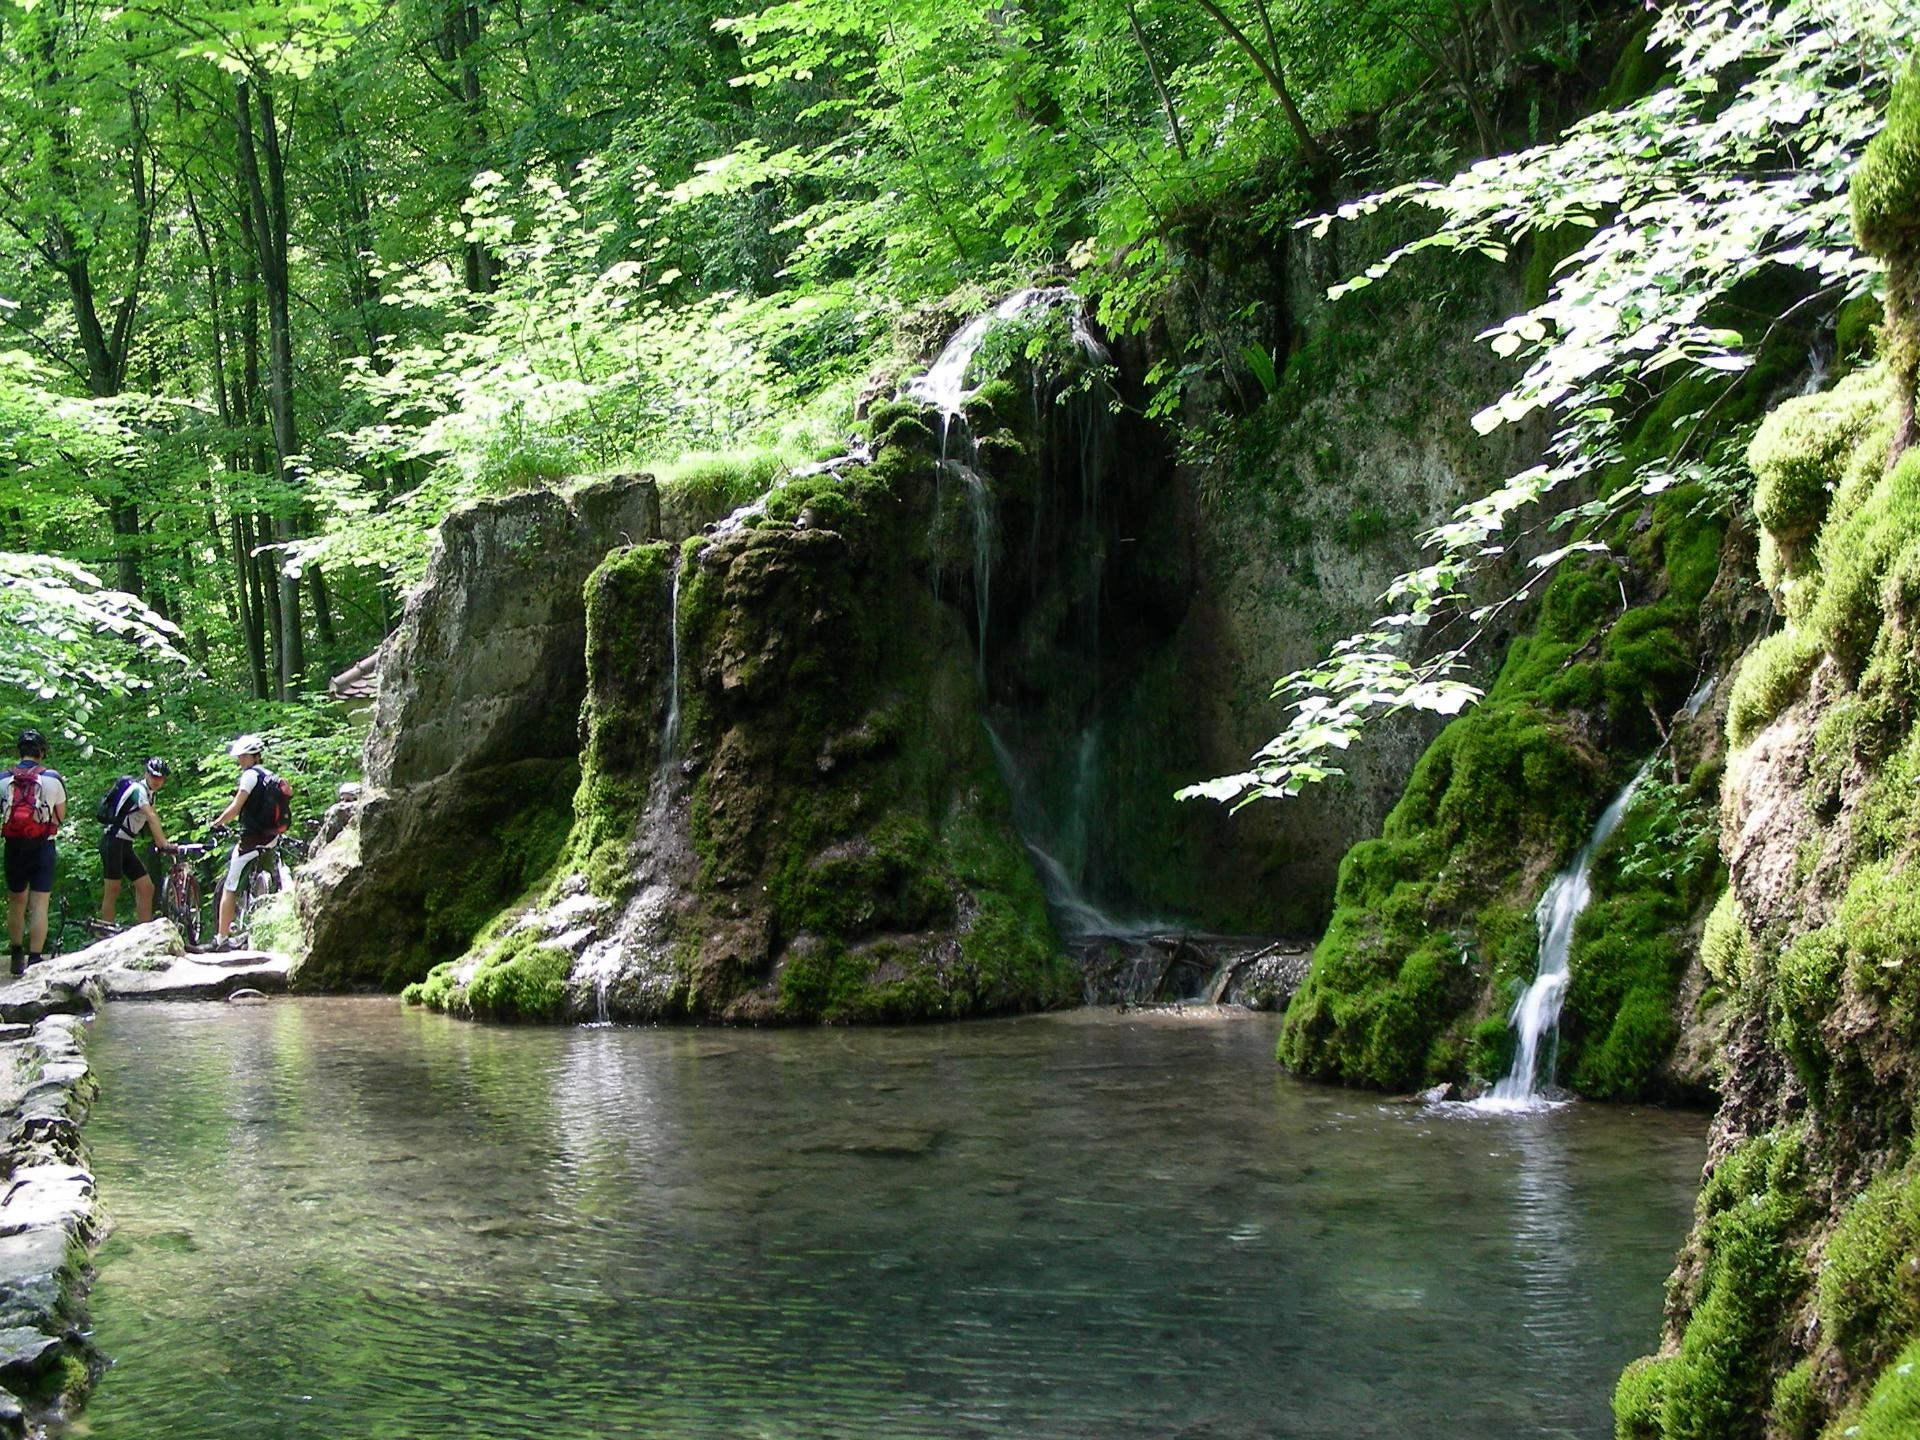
{"x": 147, "y": 962}
{"x": 50, "y": 1221}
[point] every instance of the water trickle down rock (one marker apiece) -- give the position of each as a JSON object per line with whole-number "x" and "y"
{"x": 788, "y": 809}
{"x": 1061, "y": 844}
{"x": 1536, "y": 1014}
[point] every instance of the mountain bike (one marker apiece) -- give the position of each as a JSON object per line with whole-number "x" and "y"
{"x": 269, "y": 875}
{"x": 180, "y": 890}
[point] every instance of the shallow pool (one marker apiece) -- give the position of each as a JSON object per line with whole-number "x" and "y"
{"x": 342, "y": 1218}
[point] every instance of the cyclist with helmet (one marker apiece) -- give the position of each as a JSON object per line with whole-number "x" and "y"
{"x": 126, "y": 811}
{"x": 254, "y": 842}
{"x": 33, "y": 806}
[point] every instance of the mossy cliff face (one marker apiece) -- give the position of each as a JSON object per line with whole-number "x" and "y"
{"x": 1433, "y": 935}
{"x": 473, "y": 757}
{"x": 1795, "y": 1310}
{"x": 828, "y": 838}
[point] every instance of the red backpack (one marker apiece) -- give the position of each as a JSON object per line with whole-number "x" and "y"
{"x": 26, "y": 818}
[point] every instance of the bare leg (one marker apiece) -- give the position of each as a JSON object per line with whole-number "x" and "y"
{"x": 143, "y": 899}
{"x": 109, "y": 901}
{"x": 229, "y": 901}
{"x": 17, "y": 917}
{"x": 37, "y": 923}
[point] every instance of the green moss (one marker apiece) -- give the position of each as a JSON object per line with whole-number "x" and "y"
{"x": 1800, "y": 452}
{"x": 1806, "y": 984}
{"x": 1854, "y": 329}
{"x": 1856, "y": 554}
{"x": 1770, "y": 678}
{"x": 1726, "y": 947}
{"x": 1892, "y": 1412}
{"x": 520, "y": 982}
{"x": 1796, "y": 1411}
{"x": 1870, "y": 1280}
{"x": 1888, "y": 176}
{"x": 1752, "y": 1274}
{"x": 1637, "y": 1399}
{"x": 511, "y": 975}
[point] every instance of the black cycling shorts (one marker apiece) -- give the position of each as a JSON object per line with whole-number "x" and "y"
{"x": 118, "y": 859}
{"x": 29, "y": 866}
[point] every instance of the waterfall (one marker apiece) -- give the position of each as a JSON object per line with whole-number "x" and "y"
{"x": 1536, "y": 1014}
{"x": 1059, "y": 851}
{"x": 670, "y": 728}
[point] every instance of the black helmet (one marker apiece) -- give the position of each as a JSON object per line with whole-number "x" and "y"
{"x": 158, "y": 768}
{"x": 33, "y": 745}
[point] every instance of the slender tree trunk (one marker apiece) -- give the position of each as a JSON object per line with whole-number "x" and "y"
{"x": 464, "y": 23}
{"x": 267, "y": 199}
{"x": 1159, "y": 85}
{"x": 1276, "y": 81}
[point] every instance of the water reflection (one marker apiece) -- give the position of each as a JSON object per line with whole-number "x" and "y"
{"x": 342, "y": 1218}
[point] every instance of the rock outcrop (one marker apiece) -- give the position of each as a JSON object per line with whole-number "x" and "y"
{"x": 473, "y": 757}
{"x": 788, "y": 808}
{"x": 1795, "y": 1309}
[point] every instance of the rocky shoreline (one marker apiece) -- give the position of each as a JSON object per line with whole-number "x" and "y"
{"x": 51, "y": 1220}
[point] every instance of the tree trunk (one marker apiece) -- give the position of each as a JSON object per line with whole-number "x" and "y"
{"x": 267, "y": 199}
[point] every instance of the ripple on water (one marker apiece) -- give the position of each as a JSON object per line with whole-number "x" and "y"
{"x": 342, "y": 1218}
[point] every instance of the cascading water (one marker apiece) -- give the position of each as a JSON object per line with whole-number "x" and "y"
{"x": 600, "y": 966}
{"x": 670, "y": 728}
{"x": 1536, "y": 1015}
{"x": 1060, "y": 850}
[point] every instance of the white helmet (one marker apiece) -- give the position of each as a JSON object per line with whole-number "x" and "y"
{"x": 246, "y": 745}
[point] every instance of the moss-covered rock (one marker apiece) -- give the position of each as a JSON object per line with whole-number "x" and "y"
{"x": 812, "y": 827}
{"x": 1795, "y": 1311}
{"x": 1433, "y": 936}
{"x": 1885, "y": 192}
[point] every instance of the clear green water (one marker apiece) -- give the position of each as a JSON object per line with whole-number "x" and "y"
{"x": 345, "y": 1219}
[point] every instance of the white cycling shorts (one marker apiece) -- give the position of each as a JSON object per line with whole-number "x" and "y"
{"x": 238, "y": 862}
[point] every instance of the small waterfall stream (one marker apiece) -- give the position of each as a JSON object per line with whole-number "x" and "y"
{"x": 670, "y": 728}
{"x": 1059, "y": 850}
{"x": 1536, "y": 1015}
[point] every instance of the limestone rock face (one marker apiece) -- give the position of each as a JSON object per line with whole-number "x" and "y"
{"x": 472, "y": 759}
{"x": 789, "y": 809}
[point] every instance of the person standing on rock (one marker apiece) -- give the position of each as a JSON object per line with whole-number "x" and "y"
{"x": 261, "y": 801}
{"x": 126, "y": 811}
{"x": 33, "y": 805}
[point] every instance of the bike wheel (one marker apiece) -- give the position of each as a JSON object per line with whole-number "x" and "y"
{"x": 255, "y": 887}
{"x": 183, "y": 906}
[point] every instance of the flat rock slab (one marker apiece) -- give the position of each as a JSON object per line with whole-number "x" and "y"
{"x": 190, "y": 979}
{"x": 148, "y": 962}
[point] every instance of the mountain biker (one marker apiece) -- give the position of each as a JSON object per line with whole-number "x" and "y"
{"x": 126, "y": 811}
{"x": 33, "y": 805}
{"x": 253, "y": 801}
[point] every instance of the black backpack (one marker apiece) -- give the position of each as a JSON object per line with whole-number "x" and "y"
{"x": 113, "y": 808}
{"x": 268, "y": 809}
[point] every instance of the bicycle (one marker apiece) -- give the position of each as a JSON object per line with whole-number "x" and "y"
{"x": 269, "y": 875}
{"x": 180, "y": 890}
